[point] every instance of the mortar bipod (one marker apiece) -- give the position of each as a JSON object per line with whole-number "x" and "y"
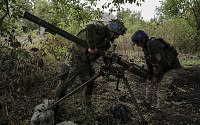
{"x": 119, "y": 73}
{"x": 134, "y": 100}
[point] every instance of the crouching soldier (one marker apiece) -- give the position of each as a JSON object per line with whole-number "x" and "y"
{"x": 79, "y": 59}
{"x": 163, "y": 66}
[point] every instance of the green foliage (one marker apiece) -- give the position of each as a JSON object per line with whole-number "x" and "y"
{"x": 173, "y": 8}
{"x": 22, "y": 73}
{"x": 35, "y": 32}
{"x": 186, "y": 9}
{"x": 10, "y": 11}
{"x": 176, "y": 31}
{"x": 179, "y": 33}
{"x": 18, "y": 29}
{"x": 54, "y": 49}
{"x": 65, "y": 14}
{"x": 131, "y": 19}
{"x": 55, "y": 52}
{"x": 118, "y": 3}
{"x": 189, "y": 61}
{"x": 72, "y": 14}
{"x": 42, "y": 8}
{"x": 13, "y": 64}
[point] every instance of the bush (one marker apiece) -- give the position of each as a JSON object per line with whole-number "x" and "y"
{"x": 55, "y": 48}
{"x": 177, "y": 31}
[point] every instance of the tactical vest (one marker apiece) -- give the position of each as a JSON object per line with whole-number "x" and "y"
{"x": 99, "y": 40}
{"x": 170, "y": 50}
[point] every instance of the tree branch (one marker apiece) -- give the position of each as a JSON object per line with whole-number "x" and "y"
{"x": 7, "y": 13}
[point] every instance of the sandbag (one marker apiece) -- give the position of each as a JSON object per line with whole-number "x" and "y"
{"x": 41, "y": 117}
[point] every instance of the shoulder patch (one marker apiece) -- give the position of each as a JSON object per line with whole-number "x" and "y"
{"x": 158, "y": 56}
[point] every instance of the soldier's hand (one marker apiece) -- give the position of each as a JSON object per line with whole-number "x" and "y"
{"x": 92, "y": 50}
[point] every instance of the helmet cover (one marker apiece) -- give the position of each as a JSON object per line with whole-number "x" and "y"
{"x": 138, "y": 36}
{"x": 117, "y": 26}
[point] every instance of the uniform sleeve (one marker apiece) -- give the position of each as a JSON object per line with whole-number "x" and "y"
{"x": 158, "y": 50}
{"x": 91, "y": 33}
{"x": 149, "y": 69}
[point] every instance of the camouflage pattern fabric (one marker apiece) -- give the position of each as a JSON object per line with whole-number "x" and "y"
{"x": 163, "y": 64}
{"x": 116, "y": 26}
{"x": 160, "y": 57}
{"x": 95, "y": 35}
{"x": 79, "y": 62}
{"x": 163, "y": 85}
{"x": 73, "y": 67}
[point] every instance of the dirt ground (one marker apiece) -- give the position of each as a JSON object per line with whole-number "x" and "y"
{"x": 17, "y": 102}
{"x": 183, "y": 99}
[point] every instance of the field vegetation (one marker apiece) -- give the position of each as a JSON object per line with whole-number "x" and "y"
{"x": 30, "y": 62}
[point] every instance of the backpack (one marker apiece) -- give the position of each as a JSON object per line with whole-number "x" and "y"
{"x": 120, "y": 112}
{"x": 170, "y": 50}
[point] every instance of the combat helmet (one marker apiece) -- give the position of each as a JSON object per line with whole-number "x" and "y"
{"x": 139, "y": 35}
{"x": 117, "y": 26}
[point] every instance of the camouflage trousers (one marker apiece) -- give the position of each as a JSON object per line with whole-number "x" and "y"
{"x": 72, "y": 68}
{"x": 163, "y": 84}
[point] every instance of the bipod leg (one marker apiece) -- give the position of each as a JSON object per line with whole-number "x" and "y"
{"x": 75, "y": 90}
{"x": 117, "y": 85}
{"x": 134, "y": 100}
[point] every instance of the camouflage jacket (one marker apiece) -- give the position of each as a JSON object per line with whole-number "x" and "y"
{"x": 160, "y": 57}
{"x": 96, "y": 36}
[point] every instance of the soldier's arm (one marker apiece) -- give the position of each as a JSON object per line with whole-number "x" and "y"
{"x": 91, "y": 33}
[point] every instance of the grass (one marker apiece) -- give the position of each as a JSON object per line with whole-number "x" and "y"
{"x": 188, "y": 62}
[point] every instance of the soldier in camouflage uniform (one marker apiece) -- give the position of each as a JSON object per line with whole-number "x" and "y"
{"x": 79, "y": 59}
{"x": 162, "y": 63}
